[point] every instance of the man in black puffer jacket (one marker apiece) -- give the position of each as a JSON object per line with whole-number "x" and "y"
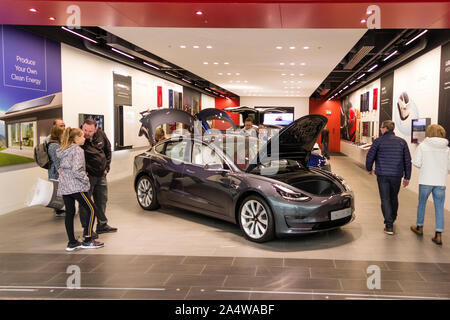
{"x": 97, "y": 152}
{"x": 392, "y": 163}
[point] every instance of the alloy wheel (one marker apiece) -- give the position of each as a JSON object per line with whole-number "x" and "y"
{"x": 145, "y": 192}
{"x": 254, "y": 219}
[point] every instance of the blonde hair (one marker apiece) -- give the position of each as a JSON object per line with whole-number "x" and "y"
{"x": 435, "y": 130}
{"x": 55, "y": 134}
{"x": 69, "y": 137}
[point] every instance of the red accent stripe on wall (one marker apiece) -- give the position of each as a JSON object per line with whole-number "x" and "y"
{"x": 334, "y": 120}
{"x": 159, "y": 95}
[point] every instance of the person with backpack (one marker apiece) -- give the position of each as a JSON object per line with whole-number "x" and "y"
{"x": 74, "y": 186}
{"x": 53, "y": 145}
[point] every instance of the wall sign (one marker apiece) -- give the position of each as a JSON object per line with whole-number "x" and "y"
{"x": 159, "y": 96}
{"x": 444, "y": 90}
{"x": 386, "y": 97}
{"x": 24, "y": 60}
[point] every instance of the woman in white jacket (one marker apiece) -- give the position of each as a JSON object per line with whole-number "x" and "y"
{"x": 432, "y": 156}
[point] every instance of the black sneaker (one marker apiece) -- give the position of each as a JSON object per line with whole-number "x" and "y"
{"x": 389, "y": 231}
{"x": 73, "y": 246}
{"x": 92, "y": 244}
{"x": 105, "y": 228}
{"x": 60, "y": 213}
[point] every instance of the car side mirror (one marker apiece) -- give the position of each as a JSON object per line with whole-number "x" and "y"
{"x": 215, "y": 167}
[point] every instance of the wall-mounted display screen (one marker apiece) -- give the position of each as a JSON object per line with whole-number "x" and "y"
{"x": 365, "y": 129}
{"x": 278, "y": 119}
{"x": 418, "y": 128}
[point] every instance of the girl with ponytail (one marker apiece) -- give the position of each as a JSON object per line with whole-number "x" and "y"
{"x": 74, "y": 186}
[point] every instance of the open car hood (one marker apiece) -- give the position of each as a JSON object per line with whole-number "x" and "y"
{"x": 296, "y": 141}
{"x": 155, "y": 118}
{"x": 214, "y": 114}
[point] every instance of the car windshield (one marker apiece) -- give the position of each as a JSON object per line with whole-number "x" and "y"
{"x": 242, "y": 150}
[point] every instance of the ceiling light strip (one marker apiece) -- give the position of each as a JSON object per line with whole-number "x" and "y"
{"x": 122, "y": 53}
{"x": 80, "y": 35}
{"x": 361, "y": 76}
{"x": 150, "y": 65}
{"x": 373, "y": 67}
{"x": 186, "y": 80}
{"x": 419, "y": 35}
{"x": 389, "y": 56}
{"x": 171, "y": 74}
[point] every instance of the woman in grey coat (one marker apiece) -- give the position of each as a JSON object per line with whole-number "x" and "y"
{"x": 74, "y": 186}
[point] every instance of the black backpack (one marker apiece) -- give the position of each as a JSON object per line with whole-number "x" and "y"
{"x": 41, "y": 155}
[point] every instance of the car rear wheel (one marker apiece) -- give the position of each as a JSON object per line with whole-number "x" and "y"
{"x": 146, "y": 193}
{"x": 256, "y": 220}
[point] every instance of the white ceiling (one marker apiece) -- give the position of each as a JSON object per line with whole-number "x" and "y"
{"x": 254, "y": 61}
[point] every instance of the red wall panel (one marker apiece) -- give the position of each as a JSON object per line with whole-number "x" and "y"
{"x": 222, "y": 103}
{"x": 334, "y": 120}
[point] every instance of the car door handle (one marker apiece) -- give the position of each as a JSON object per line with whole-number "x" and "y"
{"x": 190, "y": 171}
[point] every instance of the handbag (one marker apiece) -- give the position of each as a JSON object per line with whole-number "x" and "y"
{"x": 44, "y": 193}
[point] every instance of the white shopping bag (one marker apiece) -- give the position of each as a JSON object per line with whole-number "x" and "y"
{"x": 44, "y": 193}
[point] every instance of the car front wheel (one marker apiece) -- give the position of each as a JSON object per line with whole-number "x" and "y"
{"x": 256, "y": 220}
{"x": 146, "y": 193}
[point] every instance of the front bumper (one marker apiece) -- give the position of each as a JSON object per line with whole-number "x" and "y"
{"x": 312, "y": 216}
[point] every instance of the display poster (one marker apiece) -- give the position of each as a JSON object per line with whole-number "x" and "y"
{"x": 444, "y": 90}
{"x": 159, "y": 96}
{"x": 375, "y": 99}
{"x": 416, "y": 92}
{"x": 348, "y": 119}
{"x": 386, "y": 96}
{"x": 30, "y": 72}
{"x": 170, "y": 98}
{"x": 191, "y": 100}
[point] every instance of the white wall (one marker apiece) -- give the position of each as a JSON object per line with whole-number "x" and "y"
{"x": 301, "y": 105}
{"x": 87, "y": 86}
{"x": 208, "y": 102}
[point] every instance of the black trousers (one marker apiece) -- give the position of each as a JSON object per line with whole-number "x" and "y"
{"x": 85, "y": 202}
{"x": 99, "y": 192}
{"x": 389, "y": 188}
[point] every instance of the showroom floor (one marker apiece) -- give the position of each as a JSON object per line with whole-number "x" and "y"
{"x": 176, "y": 254}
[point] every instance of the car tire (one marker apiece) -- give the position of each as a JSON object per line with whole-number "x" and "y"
{"x": 146, "y": 193}
{"x": 256, "y": 219}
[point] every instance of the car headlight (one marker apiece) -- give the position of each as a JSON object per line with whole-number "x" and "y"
{"x": 346, "y": 185}
{"x": 289, "y": 194}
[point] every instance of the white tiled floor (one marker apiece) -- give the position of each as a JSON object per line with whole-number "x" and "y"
{"x": 171, "y": 231}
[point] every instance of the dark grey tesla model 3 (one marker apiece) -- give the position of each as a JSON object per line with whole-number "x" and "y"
{"x": 265, "y": 188}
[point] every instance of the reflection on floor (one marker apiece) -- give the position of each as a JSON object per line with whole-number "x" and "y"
{"x": 178, "y": 254}
{"x": 51, "y": 276}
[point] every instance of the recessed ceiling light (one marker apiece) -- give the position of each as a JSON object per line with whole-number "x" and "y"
{"x": 369, "y": 11}
{"x": 216, "y": 63}
{"x": 182, "y": 46}
{"x": 363, "y": 20}
{"x": 301, "y": 74}
{"x": 298, "y": 87}
{"x": 306, "y": 47}
{"x": 292, "y": 48}
{"x": 226, "y": 63}
{"x": 281, "y": 63}
{"x": 220, "y": 73}
{"x": 279, "y": 47}
{"x": 205, "y": 62}
{"x": 299, "y": 81}
{"x": 292, "y": 74}
{"x": 245, "y": 81}
{"x": 199, "y": 13}
{"x": 195, "y": 47}
{"x": 303, "y": 64}
{"x": 238, "y": 74}
{"x": 238, "y": 81}
{"x": 292, "y": 63}
{"x": 283, "y": 74}
{"x": 292, "y": 81}
{"x": 284, "y": 81}
{"x": 208, "y": 47}
{"x": 51, "y": 18}
{"x": 228, "y": 74}
{"x": 32, "y": 10}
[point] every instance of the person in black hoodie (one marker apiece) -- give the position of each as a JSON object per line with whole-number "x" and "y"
{"x": 97, "y": 151}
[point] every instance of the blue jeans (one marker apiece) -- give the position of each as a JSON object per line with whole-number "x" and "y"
{"x": 438, "y": 198}
{"x": 389, "y": 188}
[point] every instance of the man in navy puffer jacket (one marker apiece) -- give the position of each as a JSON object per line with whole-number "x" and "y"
{"x": 392, "y": 163}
